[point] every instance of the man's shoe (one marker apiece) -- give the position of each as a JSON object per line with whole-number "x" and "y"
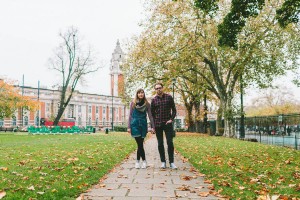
{"x": 173, "y": 166}
{"x": 163, "y": 165}
{"x": 144, "y": 164}
{"x": 137, "y": 165}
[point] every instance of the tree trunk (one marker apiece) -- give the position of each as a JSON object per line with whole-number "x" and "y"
{"x": 229, "y": 130}
{"x": 59, "y": 114}
{"x": 219, "y": 125}
{"x": 189, "y": 119}
{"x": 197, "y": 117}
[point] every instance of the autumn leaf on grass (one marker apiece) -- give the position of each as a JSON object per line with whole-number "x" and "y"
{"x": 2, "y": 194}
{"x": 254, "y": 180}
{"x": 201, "y": 175}
{"x": 287, "y": 162}
{"x": 5, "y": 169}
{"x": 41, "y": 193}
{"x": 73, "y": 159}
{"x": 31, "y": 188}
{"x": 241, "y": 187}
{"x": 296, "y": 175}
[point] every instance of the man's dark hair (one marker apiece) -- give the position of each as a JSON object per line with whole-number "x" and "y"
{"x": 158, "y": 84}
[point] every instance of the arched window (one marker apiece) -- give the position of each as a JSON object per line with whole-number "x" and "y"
{"x": 25, "y": 121}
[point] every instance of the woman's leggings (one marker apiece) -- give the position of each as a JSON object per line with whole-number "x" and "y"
{"x": 140, "y": 150}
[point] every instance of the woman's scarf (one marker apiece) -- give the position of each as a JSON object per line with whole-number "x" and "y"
{"x": 141, "y": 106}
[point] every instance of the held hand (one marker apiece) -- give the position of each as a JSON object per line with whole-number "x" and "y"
{"x": 152, "y": 130}
{"x": 129, "y": 130}
{"x": 168, "y": 122}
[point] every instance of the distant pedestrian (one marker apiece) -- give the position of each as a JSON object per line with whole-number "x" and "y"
{"x": 137, "y": 124}
{"x": 164, "y": 111}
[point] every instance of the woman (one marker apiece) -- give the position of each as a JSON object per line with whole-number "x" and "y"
{"x": 137, "y": 124}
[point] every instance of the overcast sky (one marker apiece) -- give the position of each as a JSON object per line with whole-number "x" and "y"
{"x": 29, "y": 33}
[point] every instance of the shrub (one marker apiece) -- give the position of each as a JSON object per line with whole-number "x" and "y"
{"x": 181, "y": 130}
{"x": 120, "y": 128}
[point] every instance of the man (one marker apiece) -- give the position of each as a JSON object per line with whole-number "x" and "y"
{"x": 164, "y": 111}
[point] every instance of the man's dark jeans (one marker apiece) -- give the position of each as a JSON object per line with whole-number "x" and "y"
{"x": 168, "y": 129}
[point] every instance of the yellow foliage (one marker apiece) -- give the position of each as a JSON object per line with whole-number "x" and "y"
{"x": 11, "y": 100}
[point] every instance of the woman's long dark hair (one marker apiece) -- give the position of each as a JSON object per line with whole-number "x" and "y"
{"x": 136, "y": 98}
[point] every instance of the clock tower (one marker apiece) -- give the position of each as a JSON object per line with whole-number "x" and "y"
{"x": 117, "y": 79}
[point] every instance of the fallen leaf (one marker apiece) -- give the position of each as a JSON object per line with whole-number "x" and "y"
{"x": 2, "y": 194}
{"x": 211, "y": 187}
{"x": 241, "y": 187}
{"x": 41, "y": 193}
{"x": 186, "y": 178}
{"x": 183, "y": 188}
{"x": 81, "y": 197}
{"x": 4, "y": 169}
{"x": 207, "y": 181}
{"x": 203, "y": 194}
{"x": 287, "y": 162}
{"x": 31, "y": 188}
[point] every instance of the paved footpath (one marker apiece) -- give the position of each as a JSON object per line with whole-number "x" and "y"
{"x": 153, "y": 183}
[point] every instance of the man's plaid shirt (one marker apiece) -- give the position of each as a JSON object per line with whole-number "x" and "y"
{"x": 161, "y": 108}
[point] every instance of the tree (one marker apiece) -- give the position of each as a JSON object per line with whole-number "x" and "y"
{"x": 11, "y": 100}
{"x": 73, "y": 62}
{"x": 181, "y": 41}
{"x": 273, "y": 101}
{"x": 241, "y": 10}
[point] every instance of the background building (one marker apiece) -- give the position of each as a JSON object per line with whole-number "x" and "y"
{"x": 96, "y": 110}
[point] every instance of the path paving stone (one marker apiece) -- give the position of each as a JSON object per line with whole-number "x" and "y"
{"x": 152, "y": 183}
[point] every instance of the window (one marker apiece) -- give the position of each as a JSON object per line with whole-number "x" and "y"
{"x": 104, "y": 110}
{"x": 97, "y": 109}
{"x": 36, "y": 120}
{"x": 1, "y": 122}
{"x": 25, "y": 121}
{"x": 47, "y": 107}
{"x": 90, "y": 109}
{"x": 97, "y": 121}
{"x": 90, "y": 121}
{"x": 14, "y": 121}
{"x": 79, "y": 108}
{"x": 79, "y": 121}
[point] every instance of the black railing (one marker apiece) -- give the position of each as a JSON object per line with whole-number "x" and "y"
{"x": 282, "y": 130}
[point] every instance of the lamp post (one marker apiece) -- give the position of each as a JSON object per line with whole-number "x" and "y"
{"x": 22, "y": 109}
{"x": 39, "y": 103}
{"x": 173, "y": 86}
{"x": 112, "y": 109}
{"x": 242, "y": 127}
{"x": 205, "y": 112}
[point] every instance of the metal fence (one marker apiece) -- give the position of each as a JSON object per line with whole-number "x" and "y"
{"x": 281, "y": 130}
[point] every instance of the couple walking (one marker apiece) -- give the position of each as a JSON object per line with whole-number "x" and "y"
{"x": 161, "y": 113}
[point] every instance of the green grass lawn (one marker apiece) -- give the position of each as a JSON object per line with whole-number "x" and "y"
{"x": 243, "y": 170}
{"x": 57, "y": 166}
